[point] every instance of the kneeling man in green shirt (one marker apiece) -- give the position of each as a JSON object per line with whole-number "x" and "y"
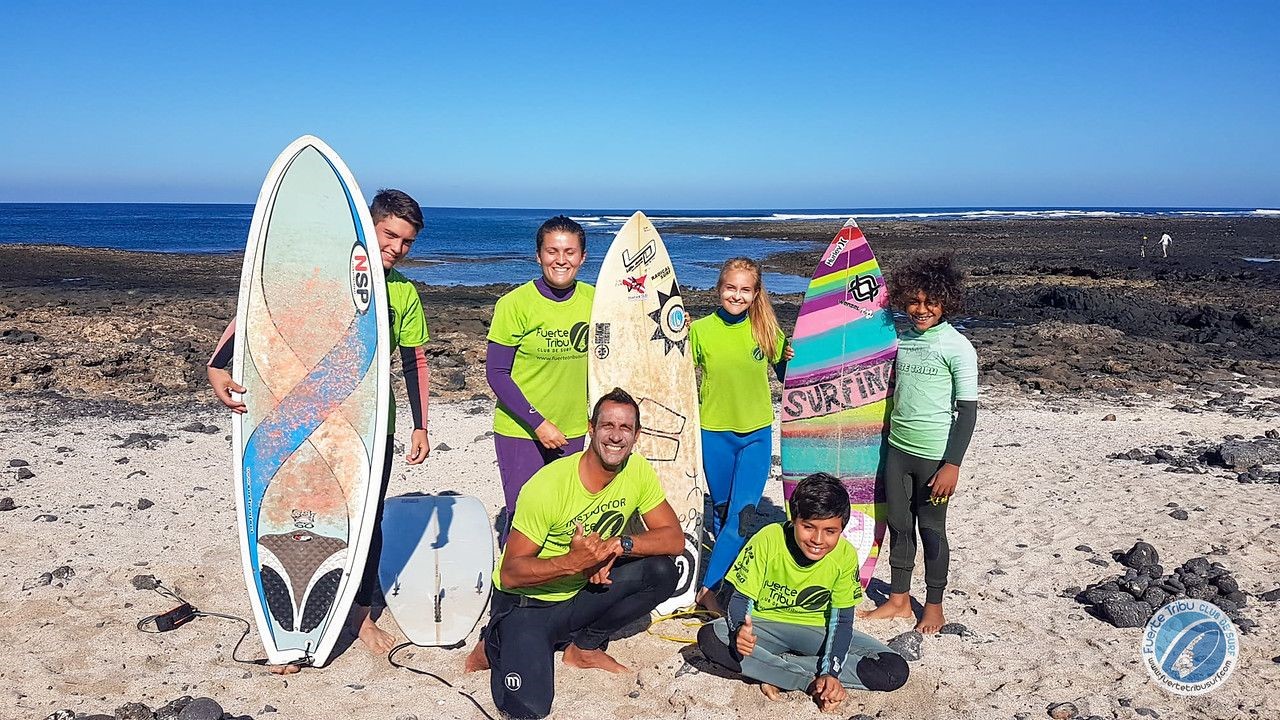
{"x": 569, "y": 577}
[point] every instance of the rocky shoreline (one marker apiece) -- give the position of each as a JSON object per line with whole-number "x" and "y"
{"x": 1055, "y": 307}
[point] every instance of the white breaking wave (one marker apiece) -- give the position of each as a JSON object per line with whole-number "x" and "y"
{"x": 987, "y": 214}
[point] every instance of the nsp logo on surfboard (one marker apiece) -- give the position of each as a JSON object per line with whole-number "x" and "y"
{"x": 361, "y": 279}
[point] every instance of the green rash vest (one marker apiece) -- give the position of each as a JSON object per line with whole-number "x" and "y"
{"x": 934, "y": 369}
{"x": 735, "y": 375}
{"x": 408, "y": 323}
{"x": 783, "y": 591}
{"x": 554, "y": 502}
{"x": 550, "y": 365}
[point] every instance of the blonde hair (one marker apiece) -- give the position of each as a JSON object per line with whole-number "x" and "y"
{"x": 764, "y": 323}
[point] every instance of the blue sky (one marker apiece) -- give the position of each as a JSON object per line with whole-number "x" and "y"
{"x": 652, "y": 105}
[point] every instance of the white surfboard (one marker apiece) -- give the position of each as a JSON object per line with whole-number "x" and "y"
{"x": 437, "y": 566}
{"x": 312, "y": 351}
{"x": 640, "y": 343}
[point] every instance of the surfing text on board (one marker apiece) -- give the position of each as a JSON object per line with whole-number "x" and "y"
{"x": 869, "y": 384}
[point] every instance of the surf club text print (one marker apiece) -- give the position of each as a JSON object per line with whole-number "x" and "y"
{"x": 561, "y": 344}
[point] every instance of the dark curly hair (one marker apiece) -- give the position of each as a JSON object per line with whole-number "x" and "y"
{"x": 938, "y": 277}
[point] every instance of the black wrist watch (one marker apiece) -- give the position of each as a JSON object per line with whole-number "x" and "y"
{"x": 627, "y": 544}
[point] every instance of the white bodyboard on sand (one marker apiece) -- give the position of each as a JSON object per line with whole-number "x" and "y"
{"x": 437, "y": 566}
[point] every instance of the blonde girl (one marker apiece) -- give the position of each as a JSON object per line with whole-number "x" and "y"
{"x": 735, "y": 346}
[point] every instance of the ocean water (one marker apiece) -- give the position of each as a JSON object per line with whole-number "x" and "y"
{"x": 475, "y": 246}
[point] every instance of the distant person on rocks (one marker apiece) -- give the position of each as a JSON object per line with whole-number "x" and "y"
{"x": 935, "y": 408}
{"x": 569, "y": 576}
{"x": 1143, "y": 252}
{"x": 397, "y": 220}
{"x": 791, "y": 594}
{"x": 1165, "y": 242}
{"x": 536, "y": 362}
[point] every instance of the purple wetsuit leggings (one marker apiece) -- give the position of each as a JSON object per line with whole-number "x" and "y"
{"x": 518, "y": 460}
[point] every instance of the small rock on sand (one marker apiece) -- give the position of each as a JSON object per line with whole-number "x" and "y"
{"x": 201, "y": 708}
{"x": 909, "y": 645}
{"x": 134, "y": 711}
{"x": 1063, "y": 711}
{"x": 144, "y": 582}
{"x": 35, "y": 582}
{"x": 172, "y": 709}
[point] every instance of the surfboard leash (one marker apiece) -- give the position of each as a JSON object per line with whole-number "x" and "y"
{"x": 685, "y": 615}
{"x": 446, "y": 683}
{"x": 185, "y": 612}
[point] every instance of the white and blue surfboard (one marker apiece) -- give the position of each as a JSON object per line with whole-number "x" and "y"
{"x": 312, "y": 352}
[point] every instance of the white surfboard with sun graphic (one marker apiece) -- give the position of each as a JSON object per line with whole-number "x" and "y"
{"x": 640, "y": 343}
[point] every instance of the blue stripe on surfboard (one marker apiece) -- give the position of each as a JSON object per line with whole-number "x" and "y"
{"x": 803, "y": 456}
{"x": 827, "y": 348}
{"x": 336, "y": 376}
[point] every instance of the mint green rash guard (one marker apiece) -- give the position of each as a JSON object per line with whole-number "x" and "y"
{"x": 935, "y": 370}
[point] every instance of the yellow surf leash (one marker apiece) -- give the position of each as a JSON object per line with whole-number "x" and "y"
{"x": 682, "y": 615}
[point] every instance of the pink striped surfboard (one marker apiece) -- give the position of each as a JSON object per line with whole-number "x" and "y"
{"x": 839, "y": 387}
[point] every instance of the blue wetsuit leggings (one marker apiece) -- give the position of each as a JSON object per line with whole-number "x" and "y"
{"x": 737, "y": 466}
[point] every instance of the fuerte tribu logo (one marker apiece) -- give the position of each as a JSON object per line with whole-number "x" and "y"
{"x": 1190, "y": 647}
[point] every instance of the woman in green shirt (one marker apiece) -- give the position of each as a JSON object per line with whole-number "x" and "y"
{"x": 537, "y": 361}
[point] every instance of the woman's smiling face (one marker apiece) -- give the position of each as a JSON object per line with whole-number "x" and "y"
{"x": 560, "y": 257}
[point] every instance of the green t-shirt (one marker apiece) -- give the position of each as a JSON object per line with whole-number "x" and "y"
{"x": 934, "y": 369}
{"x": 735, "y": 375}
{"x": 550, "y": 366}
{"x": 554, "y": 502}
{"x": 408, "y": 323}
{"x": 782, "y": 590}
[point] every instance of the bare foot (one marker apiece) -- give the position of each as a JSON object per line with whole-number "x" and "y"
{"x": 708, "y": 601}
{"x": 477, "y": 660}
{"x": 592, "y": 659}
{"x": 770, "y": 691}
{"x": 932, "y": 620}
{"x": 898, "y": 605}
{"x": 374, "y": 638}
{"x": 284, "y": 669}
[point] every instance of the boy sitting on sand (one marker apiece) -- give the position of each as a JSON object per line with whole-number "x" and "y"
{"x": 791, "y": 595}
{"x": 397, "y": 220}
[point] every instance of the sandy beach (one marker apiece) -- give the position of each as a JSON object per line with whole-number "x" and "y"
{"x": 101, "y": 357}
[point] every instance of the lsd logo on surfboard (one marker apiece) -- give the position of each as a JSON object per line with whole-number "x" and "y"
{"x": 361, "y": 279}
{"x": 644, "y": 256}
